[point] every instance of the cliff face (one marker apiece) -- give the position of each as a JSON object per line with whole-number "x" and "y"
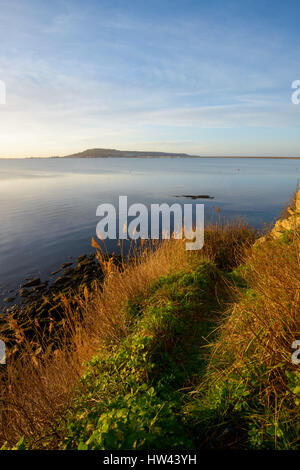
{"x": 285, "y": 225}
{"x": 291, "y": 222}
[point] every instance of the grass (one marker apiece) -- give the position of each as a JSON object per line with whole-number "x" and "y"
{"x": 251, "y": 389}
{"x": 175, "y": 349}
{"x": 138, "y": 387}
{"x": 132, "y": 393}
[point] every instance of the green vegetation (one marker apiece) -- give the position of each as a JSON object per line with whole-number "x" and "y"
{"x": 133, "y": 396}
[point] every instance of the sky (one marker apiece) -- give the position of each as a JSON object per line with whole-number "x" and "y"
{"x": 206, "y": 78}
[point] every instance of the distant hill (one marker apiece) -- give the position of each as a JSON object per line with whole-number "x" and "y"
{"x": 113, "y": 153}
{"x": 109, "y": 153}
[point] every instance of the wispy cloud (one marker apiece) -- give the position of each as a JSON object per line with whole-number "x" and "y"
{"x": 105, "y": 75}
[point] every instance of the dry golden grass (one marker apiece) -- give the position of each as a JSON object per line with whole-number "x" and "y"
{"x": 226, "y": 241}
{"x": 37, "y": 389}
{"x": 265, "y": 320}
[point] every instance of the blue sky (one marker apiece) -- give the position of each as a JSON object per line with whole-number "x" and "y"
{"x": 208, "y": 78}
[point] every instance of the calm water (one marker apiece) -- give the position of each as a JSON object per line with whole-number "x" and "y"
{"x": 48, "y": 207}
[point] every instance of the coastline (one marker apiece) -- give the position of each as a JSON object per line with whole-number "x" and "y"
{"x": 182, "y": 340}
{"x": 163, "y": 158}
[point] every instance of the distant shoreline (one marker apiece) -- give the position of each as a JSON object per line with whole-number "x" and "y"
{"x": 115, "y": 153}
{"x": 151, "y": 157}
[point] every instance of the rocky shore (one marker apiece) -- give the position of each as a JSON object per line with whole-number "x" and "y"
{"x": 286, "y": 225}
{"x": 40, "y": 304}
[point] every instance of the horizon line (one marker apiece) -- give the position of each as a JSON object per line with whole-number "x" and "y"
{"x": 154, "y": 156}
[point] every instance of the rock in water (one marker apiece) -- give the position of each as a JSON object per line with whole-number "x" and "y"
{"x": 32, "y": 283}
{"x": 24, "y": 293}
{"x": 66, "y": 265}
{"x": 9, "y": 299}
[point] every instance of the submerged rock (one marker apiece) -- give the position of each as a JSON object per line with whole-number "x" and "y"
{"x": 31, "y": 283}
{"x": 66, "y": 265}
{"x": 9, "y": 299}
{"x": 41, "y": 304}
{"x": 24, "y": 293}
{"x": 61, "y": 279}
{"x": 81, "y": 258}
{"x": 199, "y": 196}
{"x": 68, "y": 271}
{"x": 39, "y": 288}
{"x": 55, "y": 272}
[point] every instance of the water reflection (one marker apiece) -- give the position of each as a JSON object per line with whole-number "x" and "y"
{"x": 48, "y": 207}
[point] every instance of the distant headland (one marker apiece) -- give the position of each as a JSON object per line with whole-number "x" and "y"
{"x": 114, "y": 153}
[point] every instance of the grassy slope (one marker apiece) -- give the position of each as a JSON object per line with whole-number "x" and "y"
{"x": 174, "y": 381}
{"x": 133, "y": 395}
{"x": 171, "y": 395}
{"x": 249, "y": 397}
